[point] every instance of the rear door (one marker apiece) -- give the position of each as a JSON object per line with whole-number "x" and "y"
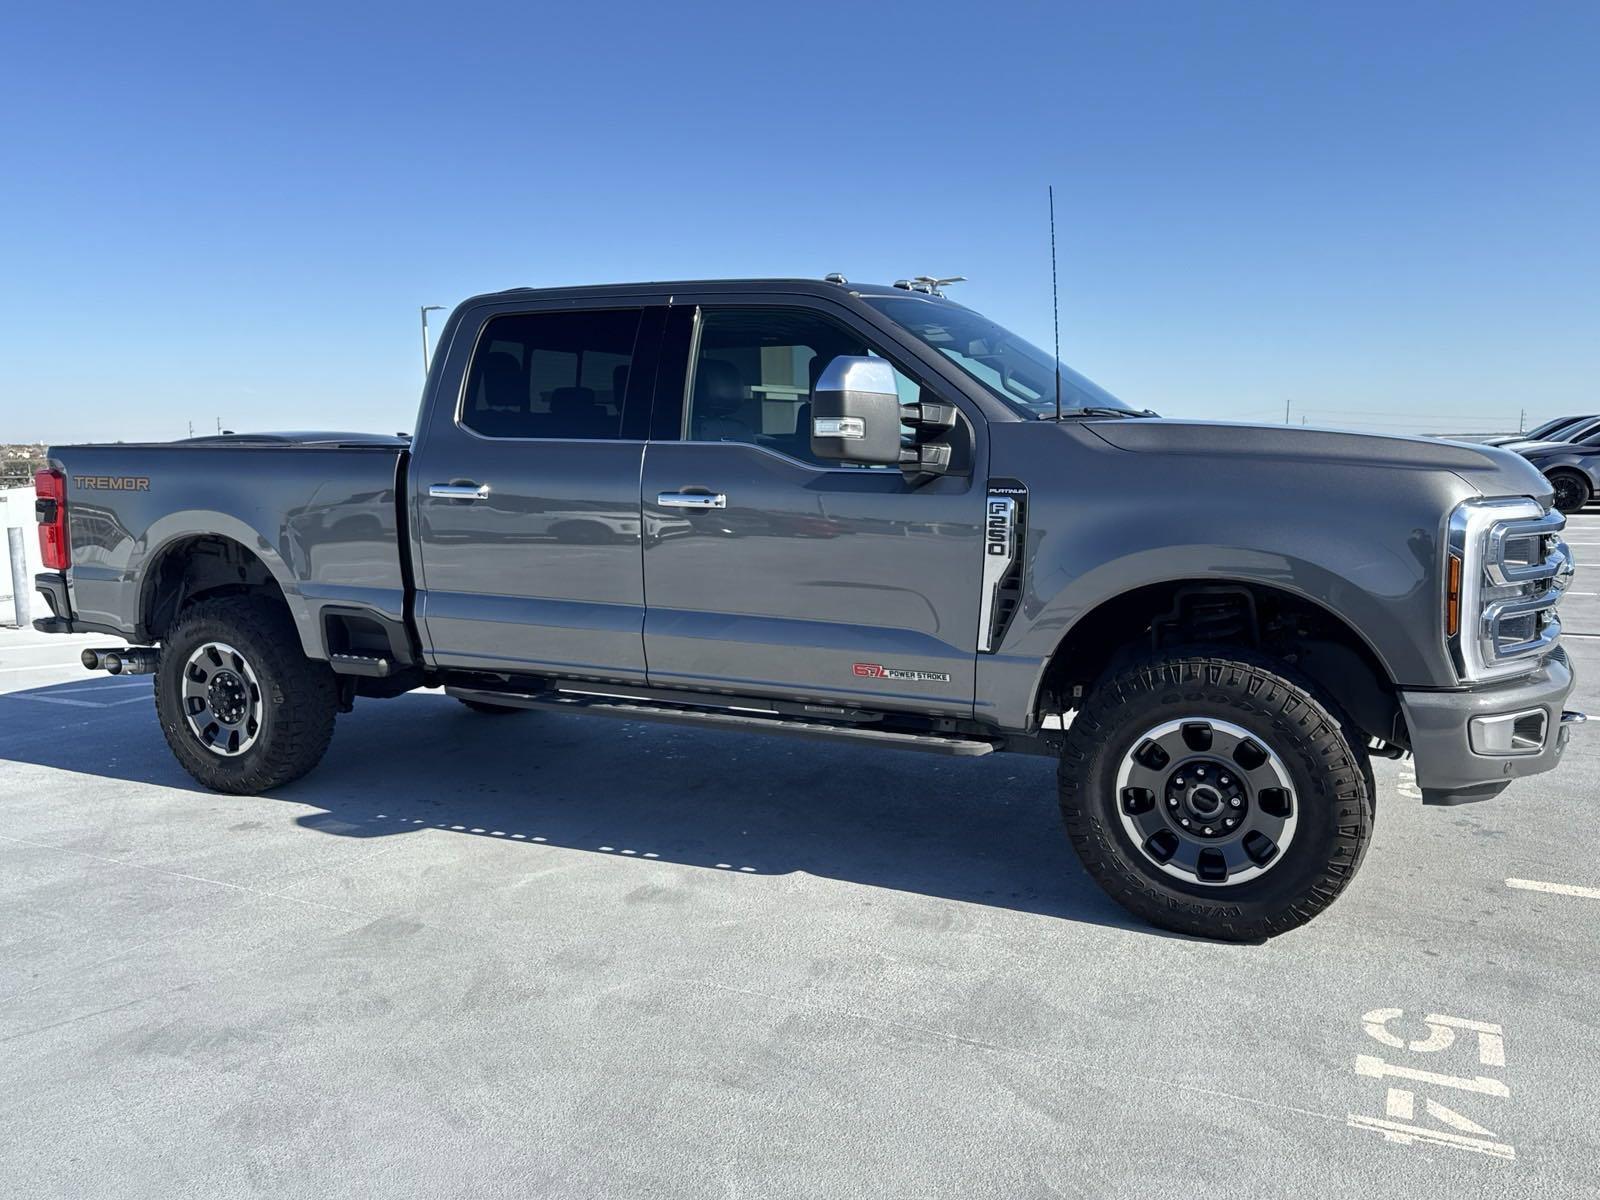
{"x": 768, "y": 571}
{"x": 525, "y": 495}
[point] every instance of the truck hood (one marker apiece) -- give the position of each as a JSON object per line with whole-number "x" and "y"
{"x": 1490, "y": 470}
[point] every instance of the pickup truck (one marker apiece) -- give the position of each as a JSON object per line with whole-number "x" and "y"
{"x": 862, "y": 514}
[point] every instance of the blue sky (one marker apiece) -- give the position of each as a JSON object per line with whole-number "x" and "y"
{"x": 1385, "y": 215}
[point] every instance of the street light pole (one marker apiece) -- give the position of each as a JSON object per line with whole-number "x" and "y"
{"x": 426, "y": 309}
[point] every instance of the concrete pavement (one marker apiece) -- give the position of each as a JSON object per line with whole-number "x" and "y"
{"x": 546, "y": 955}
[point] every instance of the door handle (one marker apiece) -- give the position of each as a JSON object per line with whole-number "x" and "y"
{"x": 459, "y": 491}
{"x": 692, "y": 500}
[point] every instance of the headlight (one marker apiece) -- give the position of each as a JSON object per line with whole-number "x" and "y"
{"x": 1507, "y": 569}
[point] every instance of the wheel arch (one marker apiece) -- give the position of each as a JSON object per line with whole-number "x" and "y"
{"x": 191, "y": 565}
{"x": 1317, "y": 641}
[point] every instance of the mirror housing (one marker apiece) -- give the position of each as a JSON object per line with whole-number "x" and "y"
{"x": 855, "y": 413}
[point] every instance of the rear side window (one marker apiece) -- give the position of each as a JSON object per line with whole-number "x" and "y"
{"x": 551, "y": 375}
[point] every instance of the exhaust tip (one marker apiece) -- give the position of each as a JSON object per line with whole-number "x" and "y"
{"x": 113, "y": 663}
{"x": 90, "y": 660}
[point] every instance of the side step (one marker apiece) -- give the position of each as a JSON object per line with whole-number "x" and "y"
{"x": 637, "y": 710}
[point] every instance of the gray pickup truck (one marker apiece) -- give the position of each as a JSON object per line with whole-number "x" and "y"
{"x": 857, "y": 514}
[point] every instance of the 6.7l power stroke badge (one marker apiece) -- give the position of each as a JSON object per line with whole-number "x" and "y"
{"x": 879, "y": 671}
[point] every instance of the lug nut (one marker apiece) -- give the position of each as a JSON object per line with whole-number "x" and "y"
{"x": 1171, "y": 803}
{"x": 1185, "y": 822}
{"x": 1230, "y": 822}
{"x": 1235, "y": 802}
{"x": 1207, "y": 829}
{"x": 1178, "y": 782}
{"x": 1224, "y": 779}
{"x": 1200, "y": 771}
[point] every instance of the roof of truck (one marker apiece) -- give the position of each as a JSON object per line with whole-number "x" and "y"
{"x": 816, "y": 287}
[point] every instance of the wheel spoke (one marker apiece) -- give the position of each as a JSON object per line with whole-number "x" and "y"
{"x": 1212, "y": 865}
{"x": 1259, "y": 847}
{"x": 1276, "y": 802}
{"x": 1136, "y": 800}
{"x": 1151, "y": 756}
{"x": 1162, "y": 845}
{"x": 1250, "y": 754}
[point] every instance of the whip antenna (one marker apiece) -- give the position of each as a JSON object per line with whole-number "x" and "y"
{"x": 1055, "y": 298}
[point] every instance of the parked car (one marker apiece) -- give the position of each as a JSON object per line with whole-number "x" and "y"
{"x": 1550, "y": 431}
{"x": 865, "y": 515}
{"x": 1572, "y": 467}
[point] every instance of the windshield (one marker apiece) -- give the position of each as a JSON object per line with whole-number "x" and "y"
{"x": 1016, "y": 371}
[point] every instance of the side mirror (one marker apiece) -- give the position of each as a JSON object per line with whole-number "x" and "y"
{"x": 855, "y": 413}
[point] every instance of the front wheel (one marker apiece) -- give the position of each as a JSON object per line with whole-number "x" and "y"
{"x": 242, "y": 707}
{"x": 1215, "y": 795}
{"x": 1571, "y": 490}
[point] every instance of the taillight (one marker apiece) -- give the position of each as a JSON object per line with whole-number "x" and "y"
{"x": 50, "y": 505}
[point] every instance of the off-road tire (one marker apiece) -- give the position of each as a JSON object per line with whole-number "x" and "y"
{"x": 1571, "y": 488}
{"x": 1325, "y": 758}
{"x": 299, "y": 696}
{"x": 492, "y": 710}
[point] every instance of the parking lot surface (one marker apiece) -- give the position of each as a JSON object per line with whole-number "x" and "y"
{"x": 546, "y": 955}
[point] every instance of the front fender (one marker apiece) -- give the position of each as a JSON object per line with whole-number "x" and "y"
{"x": 1361, "y": 541}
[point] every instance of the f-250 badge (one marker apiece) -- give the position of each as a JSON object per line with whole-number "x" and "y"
{"x": 879, "y": 671}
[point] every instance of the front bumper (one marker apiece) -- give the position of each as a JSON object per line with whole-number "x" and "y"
{"x": 1465, "y": 751}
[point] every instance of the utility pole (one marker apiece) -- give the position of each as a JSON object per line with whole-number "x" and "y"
{"x": 1522, "y": 421}
{"x": 1286, "y": 412}
{"x": 426, "y": 309}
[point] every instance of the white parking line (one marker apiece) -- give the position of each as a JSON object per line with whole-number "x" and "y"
{"x": 1555, "y": 889}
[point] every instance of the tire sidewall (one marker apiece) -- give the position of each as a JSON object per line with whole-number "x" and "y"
{"x": 1324, "y": 791}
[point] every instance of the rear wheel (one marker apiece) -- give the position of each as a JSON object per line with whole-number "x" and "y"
{"x": 1571, "y": 488}
{"x": 242, "y": 708}
{"x": 1216, "y": 795}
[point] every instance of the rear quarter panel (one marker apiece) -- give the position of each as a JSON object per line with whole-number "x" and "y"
{"x": 323, "y": 520}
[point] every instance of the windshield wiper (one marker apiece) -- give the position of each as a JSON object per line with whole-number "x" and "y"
{"x": 1103, "y": 411}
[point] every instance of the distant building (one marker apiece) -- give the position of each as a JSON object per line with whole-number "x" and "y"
{"x": 18, "y": 462}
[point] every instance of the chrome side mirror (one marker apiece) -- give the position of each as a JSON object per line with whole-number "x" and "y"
{"x": 855, "y": 413}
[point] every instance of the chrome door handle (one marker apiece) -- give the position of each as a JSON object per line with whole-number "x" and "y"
{"x": 459, "y": 491}
{"x": 692, "y": 500}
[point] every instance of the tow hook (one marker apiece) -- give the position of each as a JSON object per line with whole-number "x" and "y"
{"x": 125, "y": 660}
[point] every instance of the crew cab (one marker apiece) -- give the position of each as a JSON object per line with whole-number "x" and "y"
{"x": 853, "y": 513}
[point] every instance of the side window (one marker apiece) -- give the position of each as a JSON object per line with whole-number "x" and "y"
{"x": 755, "y": 370}
{"x": 551, "y": 375}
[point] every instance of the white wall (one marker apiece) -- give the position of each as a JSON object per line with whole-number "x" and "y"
{"x": 16, "y": 509}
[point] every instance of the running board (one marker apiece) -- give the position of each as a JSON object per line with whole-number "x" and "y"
{"x": 635, "y": 710}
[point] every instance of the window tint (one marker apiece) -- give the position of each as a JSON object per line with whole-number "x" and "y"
{"x": 551, "y": 375}
{"x": 755, "y": 372}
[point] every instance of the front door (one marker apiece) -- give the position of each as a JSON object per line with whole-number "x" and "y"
{"x": 768, "y": 571}
{"x": 527, "y": 499}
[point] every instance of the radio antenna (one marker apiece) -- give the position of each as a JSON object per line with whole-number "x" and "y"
{"x": 1055, "y": 298}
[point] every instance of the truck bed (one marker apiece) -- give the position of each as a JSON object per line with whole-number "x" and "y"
{"x": 320, "y": 510}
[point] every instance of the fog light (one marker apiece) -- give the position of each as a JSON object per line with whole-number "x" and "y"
{"x": 1509, "y": 733}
